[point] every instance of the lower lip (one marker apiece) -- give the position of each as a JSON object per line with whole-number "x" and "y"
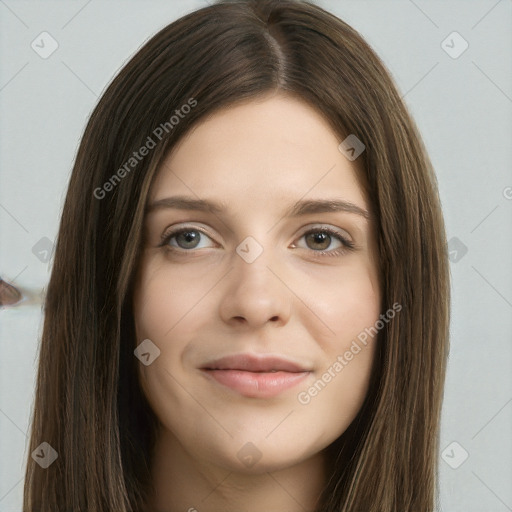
{"x": 257, "y": 384}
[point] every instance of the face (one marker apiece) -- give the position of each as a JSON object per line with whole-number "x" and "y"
{"x": 254, "y": 291}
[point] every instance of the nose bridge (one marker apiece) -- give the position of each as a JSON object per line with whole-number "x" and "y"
{"x": 254, "y": 292}
{"x": 251, "y": 265}
{"x": 250, "y": 250}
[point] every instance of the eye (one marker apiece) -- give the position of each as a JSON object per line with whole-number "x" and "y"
{"x": 184, "y": 238}
{"x": 320, "y": 239}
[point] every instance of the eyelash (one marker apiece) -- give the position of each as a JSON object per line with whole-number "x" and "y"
{"x": 347, "y": 245}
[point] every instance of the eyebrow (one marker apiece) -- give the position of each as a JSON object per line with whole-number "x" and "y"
{"x": 301, "y": 207}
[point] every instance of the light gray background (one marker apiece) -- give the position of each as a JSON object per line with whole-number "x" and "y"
{"x": 462, "y": 106}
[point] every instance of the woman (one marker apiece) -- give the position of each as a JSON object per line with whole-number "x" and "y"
{"x": 249, "y": 303}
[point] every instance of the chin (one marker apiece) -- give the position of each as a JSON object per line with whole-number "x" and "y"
{"x": 255, "y": 456}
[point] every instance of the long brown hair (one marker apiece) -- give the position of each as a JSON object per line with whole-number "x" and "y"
{"x": 88, "y": 404}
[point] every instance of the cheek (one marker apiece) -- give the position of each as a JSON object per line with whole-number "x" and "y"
{"x": 350, "y": 307}
{"x": 162, "y": 313}
{"x": 163, "y": 300}
{"x": 347, "y": 304}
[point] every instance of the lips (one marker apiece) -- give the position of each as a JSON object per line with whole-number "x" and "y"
{"x": 250, "y": 363}
{"x": 256, "y": 376}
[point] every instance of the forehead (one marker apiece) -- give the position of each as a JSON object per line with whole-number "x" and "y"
{"x": 264, "y": 150}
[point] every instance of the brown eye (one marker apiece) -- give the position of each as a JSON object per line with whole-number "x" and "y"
{"x": 326, "y": 242}
{"x": 318, "y": 240}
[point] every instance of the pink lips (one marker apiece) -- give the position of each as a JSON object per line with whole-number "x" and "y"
{"x": 256, "y": 377}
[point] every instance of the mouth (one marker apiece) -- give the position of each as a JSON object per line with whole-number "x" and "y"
{"x": 256, "y": 376}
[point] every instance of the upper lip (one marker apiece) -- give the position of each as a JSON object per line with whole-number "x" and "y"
{"x": 254, "y": 363}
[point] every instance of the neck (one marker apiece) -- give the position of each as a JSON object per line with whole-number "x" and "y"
{"x": 184, "y": 484}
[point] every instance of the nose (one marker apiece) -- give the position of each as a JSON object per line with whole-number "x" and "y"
{"x": 255, "y": 294}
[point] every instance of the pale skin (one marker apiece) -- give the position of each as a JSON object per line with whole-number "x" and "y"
{"x": 203, "y": 301}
